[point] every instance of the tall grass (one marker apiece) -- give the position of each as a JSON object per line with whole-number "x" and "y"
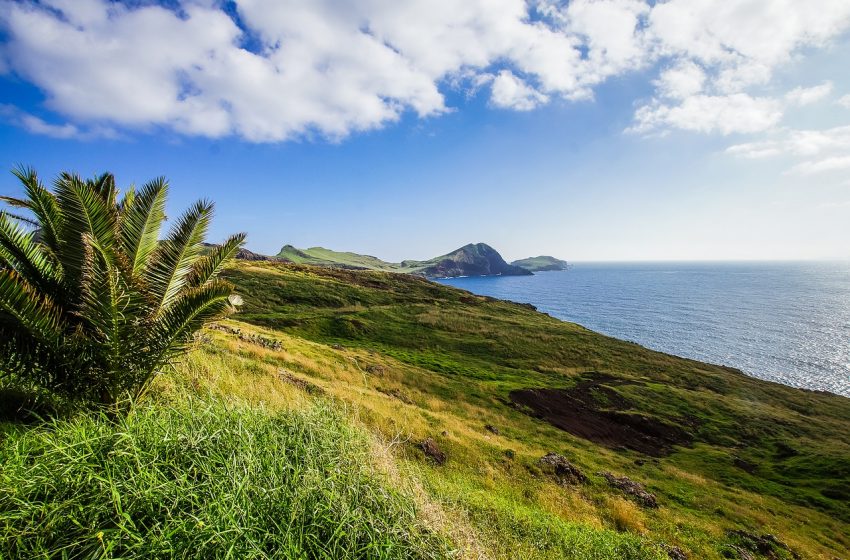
{"x": 201, "y": 480}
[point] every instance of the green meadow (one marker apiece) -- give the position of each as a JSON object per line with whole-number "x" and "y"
{"x": 294, "y": 429}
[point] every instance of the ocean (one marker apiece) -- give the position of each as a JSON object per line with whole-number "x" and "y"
{"x": 784, "y": 322}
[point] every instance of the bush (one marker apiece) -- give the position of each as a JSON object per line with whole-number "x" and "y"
{"x": 92, "y": 303}
{"x": 203, "y": 480}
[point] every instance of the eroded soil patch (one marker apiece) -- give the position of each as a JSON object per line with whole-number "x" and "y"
{"x": 595, "y": 411}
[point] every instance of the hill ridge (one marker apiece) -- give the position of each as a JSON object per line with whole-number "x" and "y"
{"x": 472, "y": 259}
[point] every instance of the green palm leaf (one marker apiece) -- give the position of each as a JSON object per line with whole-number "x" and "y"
{"x": 25, "y": 307}
{"x": 174, "y": 258}
{"x": 42, "y": 203}
{"x": 92, "y": 305}
{"x": 174, "y": 328}
{"x": 142, "y": 214}
{"x": 19, "y": 252}
{"x": 84, "y": 211}
{"x": 209, "y": 266}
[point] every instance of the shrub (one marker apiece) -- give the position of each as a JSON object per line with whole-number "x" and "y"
{"x": 92, "y": 303}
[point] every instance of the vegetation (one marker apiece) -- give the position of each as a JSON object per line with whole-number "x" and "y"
{"x": 295, "y": 429}
{"x": 474, "y": 259}
{"x": 92, "y": 304}
{"x": 423, "y": 360}
{"x": 202, "y": 479}
{"x": 320, "y": 256}
{"x": 541, "y": 263}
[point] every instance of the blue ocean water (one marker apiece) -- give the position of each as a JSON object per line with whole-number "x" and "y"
{"x": 785, "y": 322}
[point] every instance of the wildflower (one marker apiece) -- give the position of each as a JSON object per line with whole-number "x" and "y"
{"x": 100, "y": 536}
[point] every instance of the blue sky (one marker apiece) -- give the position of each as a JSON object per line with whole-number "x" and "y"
{"x": 590, "y": 130}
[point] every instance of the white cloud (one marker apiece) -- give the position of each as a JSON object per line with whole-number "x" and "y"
{"x": 844, "y": 101}
{"x": 814, "y": 151}
{"x": 807, "y": 96}
{"x": 292, "y": 68}
{"x": 681, "y": 81}
{"x": 725, "y": 114}
{"x": 37, "y": 125}
{"x": 509, "y": 92}
{"x": 835, "y": 163}
{"x": 738, "y": 44}
{"x": 797, "y": 143}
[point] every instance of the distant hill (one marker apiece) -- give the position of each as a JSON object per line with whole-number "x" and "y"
{"x": 541, "y": 263}
{"x": 475, "y": 259}
{"x": 319, "y": 256}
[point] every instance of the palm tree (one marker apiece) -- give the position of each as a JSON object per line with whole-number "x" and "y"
{"x": 92, "y": 303}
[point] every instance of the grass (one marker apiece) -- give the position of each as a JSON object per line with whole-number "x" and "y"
{"x": 455, "y": 358}
{"x": 310, "y": 449}
{"x": 202, "y": 479}
{"x": 326, "y": 257}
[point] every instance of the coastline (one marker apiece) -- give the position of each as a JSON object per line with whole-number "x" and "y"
{"x": 672, "y": 323}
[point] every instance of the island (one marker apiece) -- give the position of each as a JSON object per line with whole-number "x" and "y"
{"x": 541, "y": 264}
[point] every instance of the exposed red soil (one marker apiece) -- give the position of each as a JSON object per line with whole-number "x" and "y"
{"x": 595, "y": 411}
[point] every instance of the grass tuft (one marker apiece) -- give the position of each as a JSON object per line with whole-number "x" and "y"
{"x": 203, "y": 480}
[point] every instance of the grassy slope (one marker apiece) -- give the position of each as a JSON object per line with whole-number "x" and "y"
{"x": 325, "y": 257}
{"x": 202, "y": 478}
{"x": 442, "y": 363}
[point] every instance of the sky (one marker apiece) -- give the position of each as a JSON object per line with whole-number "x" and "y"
{"x": 589, "y": 130}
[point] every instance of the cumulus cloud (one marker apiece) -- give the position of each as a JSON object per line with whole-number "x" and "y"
{"x": 807, "y": 96}
{"x": 290, "y": 68}
{"x": 681, "y": 81}
{"x": 725, "y": 114}
{"x": 723, "y": 49}
{"x": 510, "y": 92}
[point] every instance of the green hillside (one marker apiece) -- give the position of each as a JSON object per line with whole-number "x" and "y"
{"x": 366, "y": 414}
{"x": 730, "y": 459}
{"x": 319, "y": 256}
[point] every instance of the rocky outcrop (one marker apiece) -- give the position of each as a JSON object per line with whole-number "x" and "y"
{"x": 431, "y": 450}
{"x": 632, "y": 489}
{"x": 475, "y": 259}
{"x": 559, "y": 468}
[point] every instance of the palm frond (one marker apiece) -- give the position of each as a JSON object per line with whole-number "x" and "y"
{"x": 27, "y": 308}
{"x": 15, "y": 202}
{"x": 174, "y": 258}
{"x": 197, "y": 306}
{"x": 209, "y": 266}
{"x": 19, "y": 252}
{"x": 84, "y": 211}
{"x": 104, "y": 186}
{"x": 42, "y": 203}
{"x": 24, "y": 219}
{"x": 141, "y": 217}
